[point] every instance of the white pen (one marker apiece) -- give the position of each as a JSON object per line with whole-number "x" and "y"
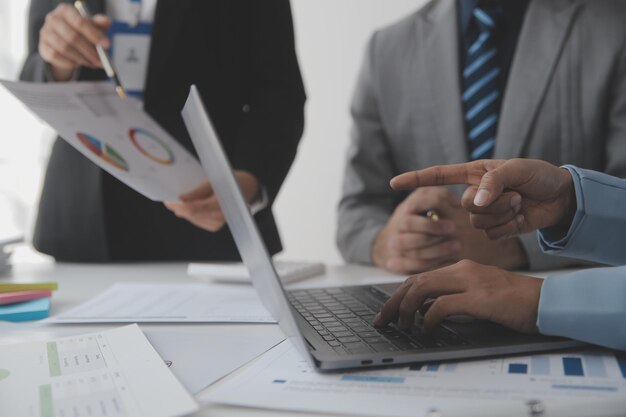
{"x": 106, "y": 61}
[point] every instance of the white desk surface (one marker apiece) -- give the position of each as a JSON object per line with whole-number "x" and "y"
{"x": 79, "y": 282}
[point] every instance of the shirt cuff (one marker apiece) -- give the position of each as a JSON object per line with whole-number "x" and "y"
{"x": 554, "y": 239}
{"x": 261, "y": 202}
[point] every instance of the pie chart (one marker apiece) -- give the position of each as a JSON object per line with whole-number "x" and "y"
{"x": 151, "y": 146}
{"x": 104, "y": 151}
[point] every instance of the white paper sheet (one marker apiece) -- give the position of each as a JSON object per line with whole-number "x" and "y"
{"x": 170, "y": 303}
{"x": 237, "y": 272}
{"x": 281, "y": 379}
{"x": 200, "y": 359}
{"x": 115, "y": 134}
{"x": 115, "y": 373}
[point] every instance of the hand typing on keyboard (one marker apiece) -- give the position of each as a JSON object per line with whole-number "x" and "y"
{"x": 342, "y": 317}
{"x": 466, "y": 288}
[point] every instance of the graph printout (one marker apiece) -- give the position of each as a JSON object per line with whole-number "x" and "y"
{"x": 115, "y": 373}
{"x": 585, "y": 383}
{"x": 115, "y": 134}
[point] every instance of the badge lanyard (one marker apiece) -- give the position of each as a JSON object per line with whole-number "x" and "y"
{"x": 130, "y": 47}
{"x": 135, "y": 8}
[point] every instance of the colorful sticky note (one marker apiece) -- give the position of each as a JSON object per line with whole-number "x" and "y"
{"x": 21, "y": 296}
{"x": 15, "y": 287}
{"x": 29, "y": 310}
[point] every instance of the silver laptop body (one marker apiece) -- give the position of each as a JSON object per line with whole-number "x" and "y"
{"x": 310, "y": 318}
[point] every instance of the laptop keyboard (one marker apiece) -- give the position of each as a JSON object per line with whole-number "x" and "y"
{"x": 343, "y": 317}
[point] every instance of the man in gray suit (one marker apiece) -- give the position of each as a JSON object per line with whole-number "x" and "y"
{"x": 461, "y": 80}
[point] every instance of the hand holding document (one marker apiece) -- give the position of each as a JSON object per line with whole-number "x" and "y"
{"x": 115, "y": 134}
{"x": 171, "y": 303}
{"x": 114, "y": 373}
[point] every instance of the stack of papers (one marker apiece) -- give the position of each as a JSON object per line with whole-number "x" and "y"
{"x": 6, "y": 246}
{"x": 25, "y": 302}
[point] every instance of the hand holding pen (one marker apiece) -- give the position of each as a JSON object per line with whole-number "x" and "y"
{"x": 420, "y": 234}
{"x": 68, "y": 41}
{"x": 431, "y": 214}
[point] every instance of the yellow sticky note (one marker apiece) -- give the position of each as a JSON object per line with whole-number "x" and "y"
{"x": 15, "y": 287}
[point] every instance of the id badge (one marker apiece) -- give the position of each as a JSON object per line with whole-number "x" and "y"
{"x": 130, "y": 52}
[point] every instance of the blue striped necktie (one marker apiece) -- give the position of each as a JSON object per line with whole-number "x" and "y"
{"x": 481, "y": 82}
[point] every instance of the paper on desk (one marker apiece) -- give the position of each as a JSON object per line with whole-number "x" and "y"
{"x": 115, "y": 134}
{"x": 281, "y": 379}
{"x": 111, "y": 373}
{"x": 199, "y": 359}
{"x": 170, "y": 303}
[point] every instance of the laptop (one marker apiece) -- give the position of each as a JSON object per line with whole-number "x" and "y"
{"x": 332, "y": 326}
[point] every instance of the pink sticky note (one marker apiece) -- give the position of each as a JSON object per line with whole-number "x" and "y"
{"x": 18, "y": 297}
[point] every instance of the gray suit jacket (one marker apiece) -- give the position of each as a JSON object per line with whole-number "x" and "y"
{"x": 565, "y": 102}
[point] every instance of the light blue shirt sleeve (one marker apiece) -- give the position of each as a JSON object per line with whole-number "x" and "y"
{"x": 589, "y": 305}
{"x": 598, "y": 231}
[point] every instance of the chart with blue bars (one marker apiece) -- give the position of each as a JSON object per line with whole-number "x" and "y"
{"x": 590, "y": 364}
{"x": 586, "y": 381}
{"x": 592, "y": 373}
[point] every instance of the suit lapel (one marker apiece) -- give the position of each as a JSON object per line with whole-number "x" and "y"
{"x": 541, "y": 41}
{"x": 440, "y": 53}
{"x": 169, "y": 16}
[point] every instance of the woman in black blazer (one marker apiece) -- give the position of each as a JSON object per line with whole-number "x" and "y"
{"x": 240, "y": 54}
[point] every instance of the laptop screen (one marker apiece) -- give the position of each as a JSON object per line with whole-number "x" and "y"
{"x": 239, "y": 219}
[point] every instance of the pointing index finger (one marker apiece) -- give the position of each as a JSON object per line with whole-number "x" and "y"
{"x": 469, "y": 173}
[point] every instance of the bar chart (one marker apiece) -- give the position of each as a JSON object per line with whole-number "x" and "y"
{"x": 588, "y": 374}
{"x": 534, "y": 383}
{"x": 592, "y": 364}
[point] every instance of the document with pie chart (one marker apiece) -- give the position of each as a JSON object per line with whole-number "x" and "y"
{"x": 115, "y": 134}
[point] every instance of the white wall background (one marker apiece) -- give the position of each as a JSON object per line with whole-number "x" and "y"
{"x": 331, "y": 37}
{"x": 24, "y": 141}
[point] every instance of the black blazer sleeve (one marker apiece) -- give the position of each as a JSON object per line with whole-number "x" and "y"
{"x": 268, "y": 137}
